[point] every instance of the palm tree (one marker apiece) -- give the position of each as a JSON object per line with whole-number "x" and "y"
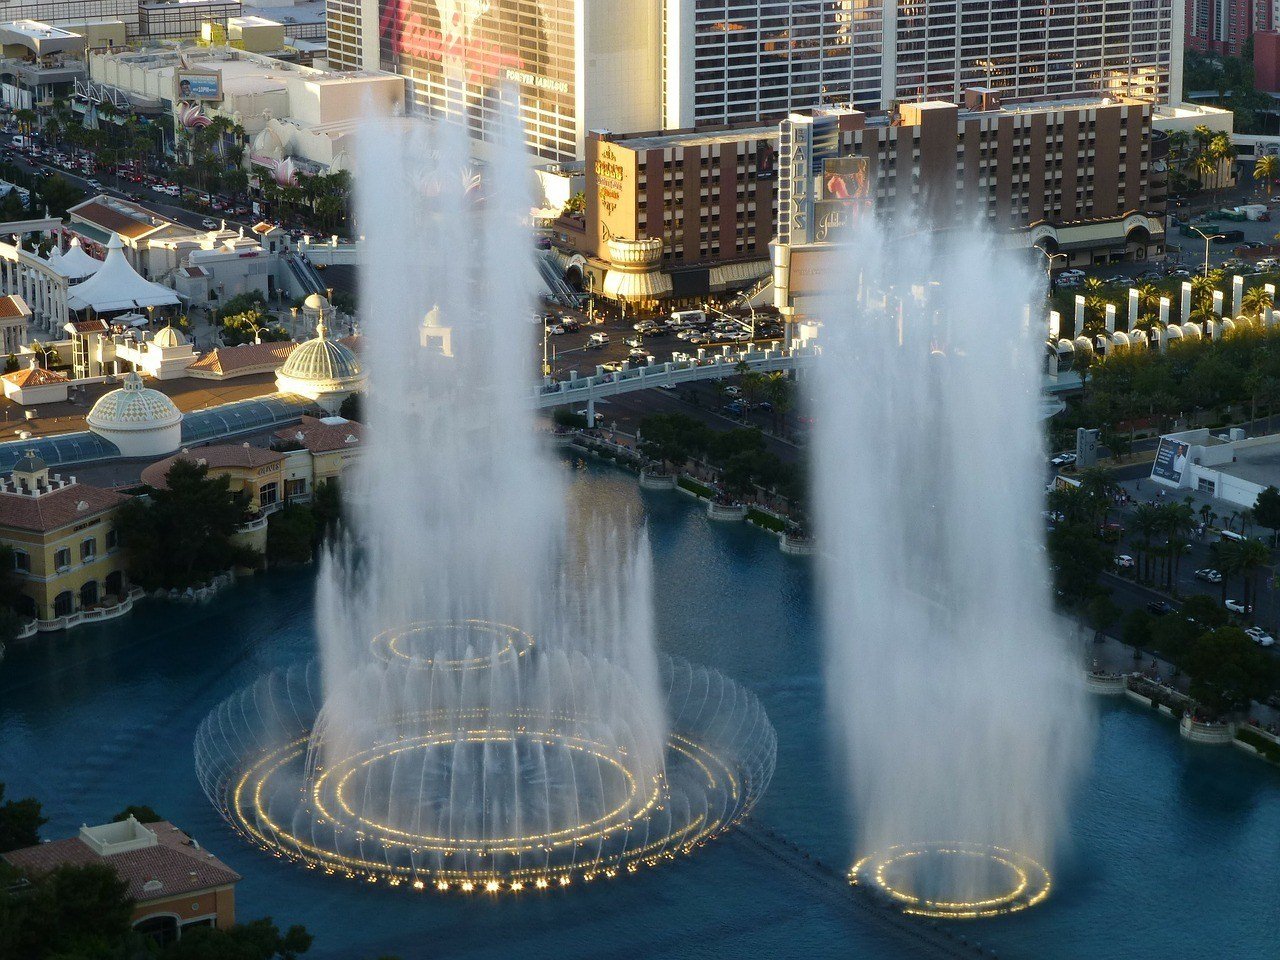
{"x": 1204, "y": 166}
{"x": 1256, "y": 299}
{"x": 1145, "y": 522}
{"x": 1178, "y": 521}
{"x": 1250, "y": 557}
{"x": 1265, "y": 168}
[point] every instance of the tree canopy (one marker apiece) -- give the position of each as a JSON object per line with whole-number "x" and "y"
{"x": 183, "y": 537}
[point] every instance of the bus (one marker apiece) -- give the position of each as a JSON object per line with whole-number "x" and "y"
{"x": 688, "y": 317}
{"x": 1231, "y": 535}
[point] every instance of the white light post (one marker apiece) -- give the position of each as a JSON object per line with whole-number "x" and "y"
{"x": 1050, "y": 257}
{"x": 1207, "y": 238}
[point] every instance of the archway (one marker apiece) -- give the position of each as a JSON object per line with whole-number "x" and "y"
{"x": 114, "y": 584}
{"x": 64, "y": 604}
{"x": 163, "y": 929}
{"x": 89, "y": 594}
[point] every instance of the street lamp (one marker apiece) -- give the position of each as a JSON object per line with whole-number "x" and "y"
{"x": 591, "y": 298}
{"x": 546, "y": 332}
{"x": 746, "y": 301}
{"x": 1050, "y": 257}
{"x": 1207, "y": 238}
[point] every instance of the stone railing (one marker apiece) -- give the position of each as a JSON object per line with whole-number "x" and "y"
{"x": 1200, "y": 731}
{"x": 92, "y": 615}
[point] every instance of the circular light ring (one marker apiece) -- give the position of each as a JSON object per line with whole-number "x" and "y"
{"x": 246, "y": 811}
{"x": 261, "y": 759}
{"x": 395, "y": 646}
{"x": 1029, "y": 882}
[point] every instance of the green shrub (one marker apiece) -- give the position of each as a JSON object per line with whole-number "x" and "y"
{"x": 766, "y": 520}
{"x": 1265, "y": 747}
{"x": 693, "y": 486}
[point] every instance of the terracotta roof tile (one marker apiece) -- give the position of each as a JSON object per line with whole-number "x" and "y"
{"x": 227, "y": 360}
{"x": 176, "y": 863}
{"x": 220, "y": 455}
{"x": 35, "y": 377}
{"x": 320, "y": 437}
{"x": 56, "y": 509}
{"x": 13, "y": 307}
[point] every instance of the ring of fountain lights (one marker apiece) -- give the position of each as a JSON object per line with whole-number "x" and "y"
{"x": 397, "y": 645}
{"x": 1029, "y": 882}
{"x": 328, "y": 803}
{"x": 653, "y": 823}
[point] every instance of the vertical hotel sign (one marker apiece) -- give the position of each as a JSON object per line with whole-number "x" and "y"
{"x": 614, "y": 193}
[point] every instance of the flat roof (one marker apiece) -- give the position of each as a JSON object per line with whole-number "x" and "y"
{"x": 37, "y": 30}
{"x": 1260, "y": 465}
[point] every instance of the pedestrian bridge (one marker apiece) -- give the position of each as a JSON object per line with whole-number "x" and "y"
{"x": 706, "y": 365}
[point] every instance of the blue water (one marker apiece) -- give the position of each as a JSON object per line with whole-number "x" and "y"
{"x": 1175, "y": 849}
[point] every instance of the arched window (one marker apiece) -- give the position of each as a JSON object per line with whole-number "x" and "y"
{"x": 89, "y": 594}
{"x": 88, "y": 549}
{"x": 64, "y": 604}
{"x": 164, "y": 929}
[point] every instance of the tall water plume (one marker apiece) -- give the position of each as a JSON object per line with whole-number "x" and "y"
{"x": 488, "y": 709}
{"x": 951, "y": 683}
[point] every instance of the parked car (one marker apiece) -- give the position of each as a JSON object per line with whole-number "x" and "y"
{"x": 555, "y": 329}
{"x": 208, "y": 223}
{"x": 1209, "y": 575}
{"x": 1239, "y": 606}
{"x": 1260, "y": 637}
{"x": 1063, "y": 460}
{"x": 1125, "y": 562}
{"x": 1159, "y": 607}
{"x": 597, "y": 340}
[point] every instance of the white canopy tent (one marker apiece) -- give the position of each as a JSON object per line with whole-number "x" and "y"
{"x": 117, "y": 286}
{"x": 75, "y": 264}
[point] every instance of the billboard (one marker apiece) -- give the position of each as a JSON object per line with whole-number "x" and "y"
{"x": 196, "y": 85}
{"x": 841, "y": 194}
{"x": 463, "y": 52}
{"x": 1171, "y": 461}
{"x": 766, "y": 160}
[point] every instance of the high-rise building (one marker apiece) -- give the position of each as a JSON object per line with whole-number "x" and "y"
{"x": 576, "y": 64}
{"x": 581, "y": 65}
{"x": 61, "y": 12}
{"x": 1223, "y": 26}
{"x": 732, "y": 60}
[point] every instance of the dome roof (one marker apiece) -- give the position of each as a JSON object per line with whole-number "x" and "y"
{"x": 322, "y": 361}
{"x": 30, "y": 463}
{"x": 133, "y": 407}
{"x": 169, "y": 337}
{"x": 316, "y": 302}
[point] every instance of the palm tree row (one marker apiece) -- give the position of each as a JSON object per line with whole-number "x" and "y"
{"x": 1161, "y": 536}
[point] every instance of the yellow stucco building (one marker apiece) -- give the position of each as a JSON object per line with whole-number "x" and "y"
{"x": 66, "y": 545}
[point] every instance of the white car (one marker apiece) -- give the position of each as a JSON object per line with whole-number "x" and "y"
{"x": 1260, "y": 637}
{"x": 1209, "y": 575}
{"x": 1125, "y": 562}
{"x": 1063, "y": 460}
{"x": 208, "y": 223}
{"x": 1239, "y": 606}
{"x": 597, "y": 340}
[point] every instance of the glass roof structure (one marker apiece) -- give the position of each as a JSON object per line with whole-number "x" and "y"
{"x": 243, "y": 416}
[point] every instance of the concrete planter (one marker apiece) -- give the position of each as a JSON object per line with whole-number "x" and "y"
{"x": 1214, "y": 733}
{"x": 1106, "y": 684}
{"x": 796, "y": 546}
{"x": 657, "y": 481}
{"x": 726, "y": 511}
{"x": 1137, "y": 697}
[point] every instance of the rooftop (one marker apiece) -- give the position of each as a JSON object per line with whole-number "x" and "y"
{"x": 157, "y": 860}
{"x": 67, "y": 504}
{"x": 35, "y": 377}
{"x": 324, "y": 434}
{"x": 1260, "y": 464}
{"x": 224, "y": 455}
{"x": 13, "y": 307}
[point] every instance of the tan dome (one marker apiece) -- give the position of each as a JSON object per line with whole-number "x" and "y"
{"x": 316, "y": 302}
{"x": 323, "y": 361}
{"x": 132, "y": 407}
{"x": 169, "y": 337}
